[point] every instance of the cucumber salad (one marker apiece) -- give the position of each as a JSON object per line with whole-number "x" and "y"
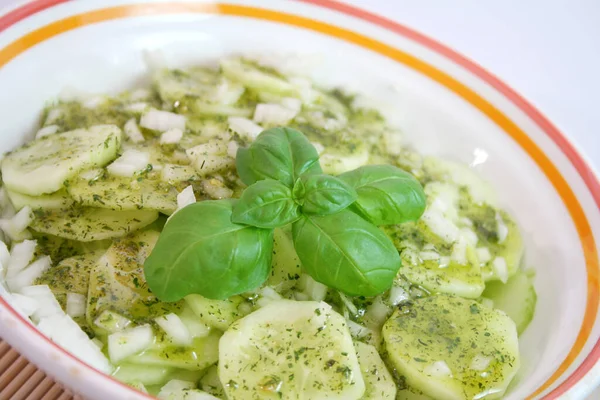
{"x": 234, "y": 231}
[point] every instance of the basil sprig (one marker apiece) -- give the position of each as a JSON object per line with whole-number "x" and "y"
{"x": 221, "y": 248}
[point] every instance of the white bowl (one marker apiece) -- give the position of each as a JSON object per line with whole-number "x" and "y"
{"x": 446, "y": 104}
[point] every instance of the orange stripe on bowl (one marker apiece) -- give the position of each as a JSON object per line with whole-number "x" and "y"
{"x": 551, "y": 172}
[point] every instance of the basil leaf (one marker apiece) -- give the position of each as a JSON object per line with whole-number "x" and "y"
{"x": 298, "y": 192}
{"x": 324, "y": 194}
{"x": 386, "y": 195}
{"x": 345, "y": 252}
{"x": 201, "y": 251}
{"x": 281, "y": 154}
{"x": 266, "y": 204}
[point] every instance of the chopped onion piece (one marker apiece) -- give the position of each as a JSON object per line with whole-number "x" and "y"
{"x": 171, "y": 136}
{"x": 162, "y": 120}
{"x": 175, "y": 329}
{"x": 489, "y": 303}
{"x": 438, "y": 369}
{"x": 194, "y": 326}
{"x": 138, "y": 107}
{"x": 300, "y": 296}
{"x": 91, "y": 174}
{"x": 292, "y": 103}
{"x": 61, "y": 329}
{"x": 483, "y": 254}
{"x": 444, "y": 261}
{"x": 186, "y": 197}
{"x": 440, "y": 225}
{"x": 393, "y": 142}
{"x": 470, "y": 236}
{"x": 377, "y": 313}
{"x": 502, "y": 228}
{"x": 16, "y": 227}
{"x": 47, "y": 303}
{"x": 398, "y": 295}
{"x": 429, "y": 255}
{"x": 28, "y": 275}
{"x": 348, "y": 304}
{"x": 111, "y": 321}
{"x": 500, "y": 268}
{"x": 356, "y": 330}
{"x": 27, "y": 305}
{"x": 20, "y": 257}
{"x": 46, "y": 131}
{"x": 480, "y": 362}
{"x": 244, "y": 127}
{"x": 315, "y": 290}
{"x": 54, "y": 115}
{"x": 319, "y": 147}
{"x": 232, "y": 148}
{"x": 76, "y": 304}
{"x": 216, "y": 189}
{"x": 273, "y": 114}
{"x": 139, "y": 94}
{"x": 130, "y": 162}
{"x": 459, "y": 251}
{"x": 133, "y": 132}
{"x": 93, "y": 102}
{"x": 129, "y": 342}
{"x": 268, "y": 295}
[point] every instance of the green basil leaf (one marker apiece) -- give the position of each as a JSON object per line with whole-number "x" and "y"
{"x": 281, "y": 154}
{"x": 386, "y": 195}
{"x": 325, "y": 194}
{"x": 298, "y": 191}
{"x": 266, "y": 204}
{"x": 201, "y": 251}
{"x": 345, "y": 252}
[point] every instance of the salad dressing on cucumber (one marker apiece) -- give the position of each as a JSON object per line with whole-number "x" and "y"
{"x": 235, "y": 232}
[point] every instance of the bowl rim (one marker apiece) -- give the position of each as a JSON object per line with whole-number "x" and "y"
{"x": 585, "y": 171}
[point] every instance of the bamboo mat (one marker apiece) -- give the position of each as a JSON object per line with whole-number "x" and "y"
{"x": 20, "y": 380}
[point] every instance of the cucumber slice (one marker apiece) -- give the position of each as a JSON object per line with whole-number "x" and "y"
{"x": 54, "y": 201}
{"x": 211, "y": 383}
{"x": 409, "y": 393}
{"x": 255, "y": 77}
{"x": 291, "y": 350}
{"x": 453, "y": 348}
{"x": 182, "y": 390}
{"x": 517, "y": 298}
{"x": 117, "y": 283}
{"x": 379, "y": 384}
{"x": 145, "y": 374}
{"x": 460, "y": 175}
{"x": 43, "y": 165}
{"x": 71, "y": 275}
{"x": 87, "y": 224}
{"x": 219, "y": 314}
{"x": 427, "y": 261}
{"x": 119, "y": 193}
{"x": 197, "y": 89}
{"x": 500, "y": 234}
{"x": 286, "y": 265}
{"x": 337, "y": 161}
{"x": 200, "y": 355}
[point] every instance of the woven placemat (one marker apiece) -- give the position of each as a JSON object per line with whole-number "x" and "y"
{"x": 21, "y": 380}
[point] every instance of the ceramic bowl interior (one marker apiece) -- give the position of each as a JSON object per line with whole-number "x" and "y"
{"x": 444, "y": 104}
